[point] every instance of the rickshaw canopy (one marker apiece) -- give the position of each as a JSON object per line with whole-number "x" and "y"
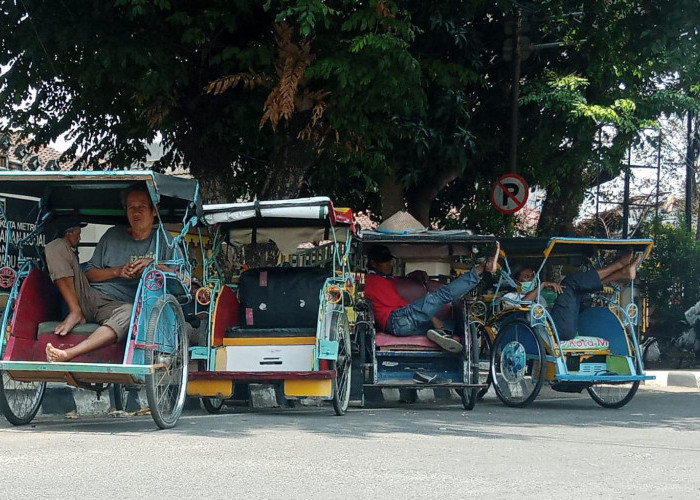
{"x": 288, "y": 223}
{"x": 96, "y": 196}
{"x": 431, "y": 243}
{"x": 570, "y": 249}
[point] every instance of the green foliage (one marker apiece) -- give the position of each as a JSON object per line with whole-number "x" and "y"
{"x": 671, "y": 276}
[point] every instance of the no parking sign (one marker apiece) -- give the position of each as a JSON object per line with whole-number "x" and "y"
{"x": 509, "y": 193}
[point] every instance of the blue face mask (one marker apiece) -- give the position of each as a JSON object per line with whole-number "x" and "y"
{"x": 527, "y": 286}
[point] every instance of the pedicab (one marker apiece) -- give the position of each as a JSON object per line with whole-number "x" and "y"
{"x": 525, "y": 349}
{"x": 154, "y": 353}
{"x": 414, "y": 362}
{"x": 286, "y": 324}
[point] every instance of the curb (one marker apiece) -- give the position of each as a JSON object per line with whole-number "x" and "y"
{"x": 61, "y": 398}
{"x": 674, "y": 378}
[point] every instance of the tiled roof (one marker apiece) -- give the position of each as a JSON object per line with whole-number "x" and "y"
{"x": 45, "y": 154}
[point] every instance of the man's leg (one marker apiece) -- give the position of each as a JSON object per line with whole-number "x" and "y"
{"x": 66, "y": 286}
{"x": 101, "y": 337}
{"x": 416, "y": 317}
{"x": 568, "y": 303}
{"x": 624, "y": 268}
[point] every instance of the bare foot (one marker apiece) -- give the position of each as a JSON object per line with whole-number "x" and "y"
{"x": 625, "y": 259}
{"x": 630, "y": 271}
{"x": 491, "y": 264}
{"x": 54, "y": 354}
{"x": 65, "y": 326}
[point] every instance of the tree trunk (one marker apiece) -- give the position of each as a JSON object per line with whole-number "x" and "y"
{"x": 420, "y": 198}
{"x": 290, "y": 162}
{"x": 391, "y": 195}
{"x": 559, "y": 211}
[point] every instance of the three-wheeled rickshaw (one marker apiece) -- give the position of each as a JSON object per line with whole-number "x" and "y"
{"x": 525, "y": 348}
{"x": 414, "y": 362}
{"x": 284, "y": 323}
{"x": 154, "y": 353}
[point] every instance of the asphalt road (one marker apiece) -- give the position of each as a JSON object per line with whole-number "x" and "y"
{"x": 563, "y": 446}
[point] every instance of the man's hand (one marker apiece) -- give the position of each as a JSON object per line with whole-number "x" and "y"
{"x": 553, "y": 286}
{"x": 135, "y": 268}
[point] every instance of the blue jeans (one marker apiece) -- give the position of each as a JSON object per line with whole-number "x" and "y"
{"x": 414, "y": 319}
{"x": 568, "y": 304}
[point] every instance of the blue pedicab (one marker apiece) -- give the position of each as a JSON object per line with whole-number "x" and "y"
{"x": 285, "y": 325}
{"x": 389, "y": 361}
{"x": 154, "y": 353}
{"x": 526, "y": 351}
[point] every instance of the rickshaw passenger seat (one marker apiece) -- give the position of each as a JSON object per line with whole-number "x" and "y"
{"x": 412, "y": 290}
{"x": 279, "y": 299}
{"x": 601, "y": 322}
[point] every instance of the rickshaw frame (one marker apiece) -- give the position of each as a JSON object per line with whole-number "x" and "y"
{"x": 156, "y": 340}
{"x": 316, "y": 220}
{"x": 465, "y": 379}
{"x": 538, "y": 321}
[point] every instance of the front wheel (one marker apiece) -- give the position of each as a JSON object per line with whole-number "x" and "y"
{"x": 167, "y": 354}
{"x": 20, "y": 401}
{"x": 342, "y": 365}
{"x": 517, "y": 364}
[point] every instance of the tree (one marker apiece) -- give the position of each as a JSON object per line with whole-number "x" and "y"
{"x": 380, "y": 104}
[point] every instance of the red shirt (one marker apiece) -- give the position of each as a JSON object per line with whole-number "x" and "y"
{"x": 384, "y": 296}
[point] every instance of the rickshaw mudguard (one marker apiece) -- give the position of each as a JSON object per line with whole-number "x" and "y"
{"x": 76, "y": 367}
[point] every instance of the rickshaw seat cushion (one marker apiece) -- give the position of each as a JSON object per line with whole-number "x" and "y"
{"x": 238, "y": 332}
{"x": 388, "y": 341}
{"x": 48, "y": 327}
{"x": 280, "y": 296}
{"x": 411, "y": 290}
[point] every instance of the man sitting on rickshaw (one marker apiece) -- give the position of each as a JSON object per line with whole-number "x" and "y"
{"x": 114, "y": 272}
{"x": 570, "y": 292}
{"x": 396, "y": 316}
{"x": 85, "y": 303}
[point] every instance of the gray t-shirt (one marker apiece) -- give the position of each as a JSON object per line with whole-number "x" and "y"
{"x": 116, "y": 248}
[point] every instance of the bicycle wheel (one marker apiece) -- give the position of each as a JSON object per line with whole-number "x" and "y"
{"x": 342, "y": 365}
{"x": 20, "y": 401}
{"x": 469, "y": 395}
{"x": 167, "y": 353}
{"x": 615, "y": 395}
{"x": 213, "y": 405}
{"x": 484, "y": 345}
{"x": 517, "y": 364}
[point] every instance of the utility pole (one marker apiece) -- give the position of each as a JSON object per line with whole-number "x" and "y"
{"x": 689, "y": 163}
{"x": 515, "y": 93}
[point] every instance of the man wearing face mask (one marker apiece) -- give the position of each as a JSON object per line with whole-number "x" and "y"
{"x": 567, "y": 306}
{"x": 528, "y": 287}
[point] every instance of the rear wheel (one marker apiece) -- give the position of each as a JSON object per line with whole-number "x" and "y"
{"x": 213, "y": 405}
{"x": 517, "y": 364}
{"x": 20, "y": 401}
{"x": 610, "y": 395}
{"x": 342, "y": 366}
{"x": 167, "y": 353}
{"x": 484, "y": 345}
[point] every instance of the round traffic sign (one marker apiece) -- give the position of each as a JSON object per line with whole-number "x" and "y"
{"x": 509, "y": 193}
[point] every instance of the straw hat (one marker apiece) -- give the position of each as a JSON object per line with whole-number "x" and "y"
{"x": 401, "y": 223}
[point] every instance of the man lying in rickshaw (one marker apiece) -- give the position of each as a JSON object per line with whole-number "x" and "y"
{"x": 397, "y": 316}
{"x": 111, "y": 278}
{"x": 570, "y": 292}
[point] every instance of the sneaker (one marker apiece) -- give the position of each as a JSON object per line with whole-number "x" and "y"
{"x": 444, "y": 340}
